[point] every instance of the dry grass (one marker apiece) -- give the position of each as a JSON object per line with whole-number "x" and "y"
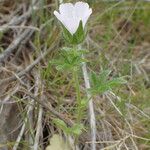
{"x": 32, "y": 92}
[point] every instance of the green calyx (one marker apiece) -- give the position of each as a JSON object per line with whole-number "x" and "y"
{"x": 77, "y": 37}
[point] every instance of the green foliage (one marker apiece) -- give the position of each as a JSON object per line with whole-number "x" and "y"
{"x": 61, "y": 124}
{"x": 83, "y": 104}
{"x": 122, "y": 106}
{"x": 67, "y": 35}
{"x": 75, "y": 130}
{"x": 77, "y": 37}
{"x": 69, "y": 59}
{"x": 101, "y": 83}
{"x": 46, "y": 72}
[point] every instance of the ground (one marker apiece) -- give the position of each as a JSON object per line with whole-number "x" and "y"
{"x": 33, "y": 93}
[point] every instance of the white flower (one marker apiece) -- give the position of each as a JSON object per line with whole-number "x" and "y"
{"x": 70, "y": 15}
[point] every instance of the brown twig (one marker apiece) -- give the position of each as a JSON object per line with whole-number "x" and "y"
{"x": 11, "y": 48}
{"x": 27, "y": 69}
{"x": 18, "y": 19}
{"x": 48, "y": 108}
{"x": 26, "y": 33}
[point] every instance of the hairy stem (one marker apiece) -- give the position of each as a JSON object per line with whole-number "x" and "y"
{"x": 77, "y": 86}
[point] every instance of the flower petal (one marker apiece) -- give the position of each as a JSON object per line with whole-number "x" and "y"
{"x": 81, "y": 8}
{"x": 71, "y": 25}
{"x": 86, "y": 17}
{"x": 70, "y": 15}
{"x": 82, "y": 11}
{"x": 58, "y": 15}
{"x": 66, "y": 9}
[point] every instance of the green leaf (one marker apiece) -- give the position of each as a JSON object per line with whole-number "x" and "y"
{"x": 67, "y": 35}
{"x": 79, "y": 36}
{"x": 116, "y": 82}
{"x": 77, "y": 129}
{"x": 103, "y": 76}
{"x": 94, "y": 78}
{"x": 99, "y": 89}
{"x": 61, "y": 124}
{"x": 84, "y": 103}
{"x": 101, "y": 83}
{"x": 69, "y": 59}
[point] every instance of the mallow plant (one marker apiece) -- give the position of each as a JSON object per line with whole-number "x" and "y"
{"x": 73, "y": 19}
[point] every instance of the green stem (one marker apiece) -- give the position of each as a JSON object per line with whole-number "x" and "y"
{"x": 77, "y": 86}
{"x": 78, "y": 96}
